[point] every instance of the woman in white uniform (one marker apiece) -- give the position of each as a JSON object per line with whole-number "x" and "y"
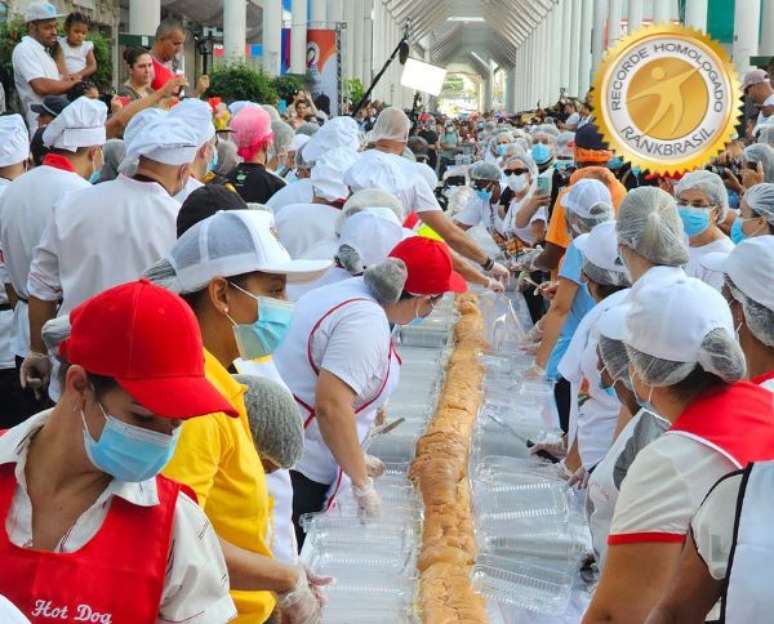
{"x": 686, "y": 365}
{"x": 702, "y": 201}
{"x": 340, "y": 365}
{"x": 731, "y": 539}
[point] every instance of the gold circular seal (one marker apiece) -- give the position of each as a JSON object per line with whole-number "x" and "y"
{"x": 666, "y": 98}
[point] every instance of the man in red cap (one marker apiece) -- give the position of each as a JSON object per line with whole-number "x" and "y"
{"x": 112, "y": 540}
{"x": 338, "y": 361}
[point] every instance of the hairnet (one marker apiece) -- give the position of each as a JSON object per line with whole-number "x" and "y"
{"x": 648, "y": 223}
{"x": 227, "y": 158}
{"x": 273, "y": 112}
{"x": 309, "y": 129}
{"x": 758, "y": 318}
{"x": 504, "y": 136}
{"x": 766, "y": 134}
{"x": 526, "y": 158}
{"x": 614, "y": 357}
{"x": 547, "y": 129}
{"x": 483, "y": 170}
{"x": 720, "y": 354}
{"x": 711, "y": 184}
{"x": 283, "y": 135}
{"x": 598, "y": 212}
{"x": 113, "y": 153}
{"x": 604, "y": 277}
{"x": 386, "y": 280}
{"x": 764, "y": 154}
{"x": 349, "y": 259}
{"x": 391, "y": 125}
{"x": 760, "y": 198}
{"x": 55, "y": 331}
{"x": 300, "y": 162}
{"x": 565, "y": 147}
{"x": 369, "y": 198}
{"x": 278, "y": 432}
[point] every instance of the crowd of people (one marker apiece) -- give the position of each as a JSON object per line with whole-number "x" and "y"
{"x": 197, "y": 321}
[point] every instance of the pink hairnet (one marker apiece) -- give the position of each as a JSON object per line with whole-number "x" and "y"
{"x": 252, "y": 131}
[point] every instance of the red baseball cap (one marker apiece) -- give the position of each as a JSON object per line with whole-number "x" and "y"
{"x": 148, "y": 340}
{"x": 430, "y": 267}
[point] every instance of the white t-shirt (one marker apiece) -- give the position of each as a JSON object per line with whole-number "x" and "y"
{"x": 6, "y": 316}
{"x": 762, "y": 119}
{"x": 30, "y": 61}
{"x": 479, "y": 212}
{"x": 605, "y": 481}
{"x": 695, "y": 267}
{"x": 525, "y": 234}
{"x": 75, "y": 58}
{"x": 664, "y": 488}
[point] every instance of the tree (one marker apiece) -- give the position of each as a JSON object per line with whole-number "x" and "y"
{"x": 237, "y": 81}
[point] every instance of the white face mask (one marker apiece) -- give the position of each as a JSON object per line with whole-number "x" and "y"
{"x": 517, "y": 183}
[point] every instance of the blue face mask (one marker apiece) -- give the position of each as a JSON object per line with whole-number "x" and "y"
{"x": 541, "y": 153}
{"x": 94, "y": 178}
{"x": 695, "y": 220}
{"x": 562, "y": 164}
{"x": 616, "y": 162}
{"x": 262, "y": 337}
{"x": 213, "y": 161}
{"x": 636, "y": 171}
{"x": 127, "y": 452}
{"x": 737, "y": 233}
{"x": 484, "y": 195}
{"x": 502, "y": 149}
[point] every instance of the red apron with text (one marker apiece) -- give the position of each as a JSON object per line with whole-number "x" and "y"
{"x": 737, "y": 422}
{"x": 366, "y": 412}
{"x": 115, "y": 578}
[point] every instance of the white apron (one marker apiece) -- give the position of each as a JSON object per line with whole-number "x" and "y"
{"x": 748, "y": 595}
{"x": 302, "y": 373}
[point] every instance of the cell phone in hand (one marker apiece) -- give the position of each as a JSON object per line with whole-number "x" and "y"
{"x": 544, "y": 185}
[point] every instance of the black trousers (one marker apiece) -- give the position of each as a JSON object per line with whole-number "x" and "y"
{"x": 562, "y": 399}
{"x": 17, "y": 405}
{"x": 535, "y": 302}
{"x": 308, "y": 497}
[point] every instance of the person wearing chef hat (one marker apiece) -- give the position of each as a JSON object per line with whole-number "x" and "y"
{"x": 14, "y": 152}
{"x": 86, "y": 249}
{"x": 338, "y": 361}
{"x": 75, "y": 137}
{"x": 199, "y": 115}
{"x": 232, "y": 271}
{"x": 298, "y": 141}
{"x": 730, "y": 541}
{"x": 690, "y": 373}
{"x": 301, "y": 226}
{"x": 91, "y": 531}
{"x": 252, "y": 134}
{"x": 384, "y": 167}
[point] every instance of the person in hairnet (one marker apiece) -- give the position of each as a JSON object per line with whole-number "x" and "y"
{"x": 198, "y": 115}
{"x": 729, "y": 543}
{"x": 76, "y": 137}
{"x": 341, "y": 366}
{"x": 232, "y": 271}
{"x": 278, "y": 435}
{"x": 289, "y": 171}
{"x": 718, "y": 424}
{"x": 253, "y": 136}
{"x": 14, "y": 153}
{"x": 113, "y": 153}
{"x": 594, "y": 408}
{"x": 702, "y": 202}
{"x": 283, "y": 136}
{"x": 756, "y": 214}
{"x": 301, "y": 226}
{"x": 484, "y": 208}
{"x": 384, "y": 168}
{"x": 86, "y": 249}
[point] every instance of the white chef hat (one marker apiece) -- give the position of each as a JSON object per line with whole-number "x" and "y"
{"x": 337, "y": 132}
{"x": 167, "y": 140}
{"x": 198, "y": 114}
{"x": 375, "y": 170}
{"x": 14, "y": 140}
{"x": 299, "y": 140}
{"x": 140, "y": 120}
{"x": 328, "y": 173}
{"x": 80, "y": 124}
{"x": 600, "y": 250}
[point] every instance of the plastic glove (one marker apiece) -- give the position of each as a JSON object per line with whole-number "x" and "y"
{"x": 35, "y": 372}
{"x": 375, "y": 466}
{"x": 535, "y": 334}
{"x": 495, "y": 285}
{"x": 500, "y": 273}
{"x": 300, "y": 605}
{"x": 530, "y": 348}
{"x": 579, "y": 479}
{"x": 548, "y": 290}
{"x": 316, "y": 583}
{"x": 525, "y": 261}
{"x": 369, "y": 503}
{"x": 535, "y": 372}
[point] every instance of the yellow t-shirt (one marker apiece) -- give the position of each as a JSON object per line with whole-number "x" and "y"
{"x": 216, "y": 457}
